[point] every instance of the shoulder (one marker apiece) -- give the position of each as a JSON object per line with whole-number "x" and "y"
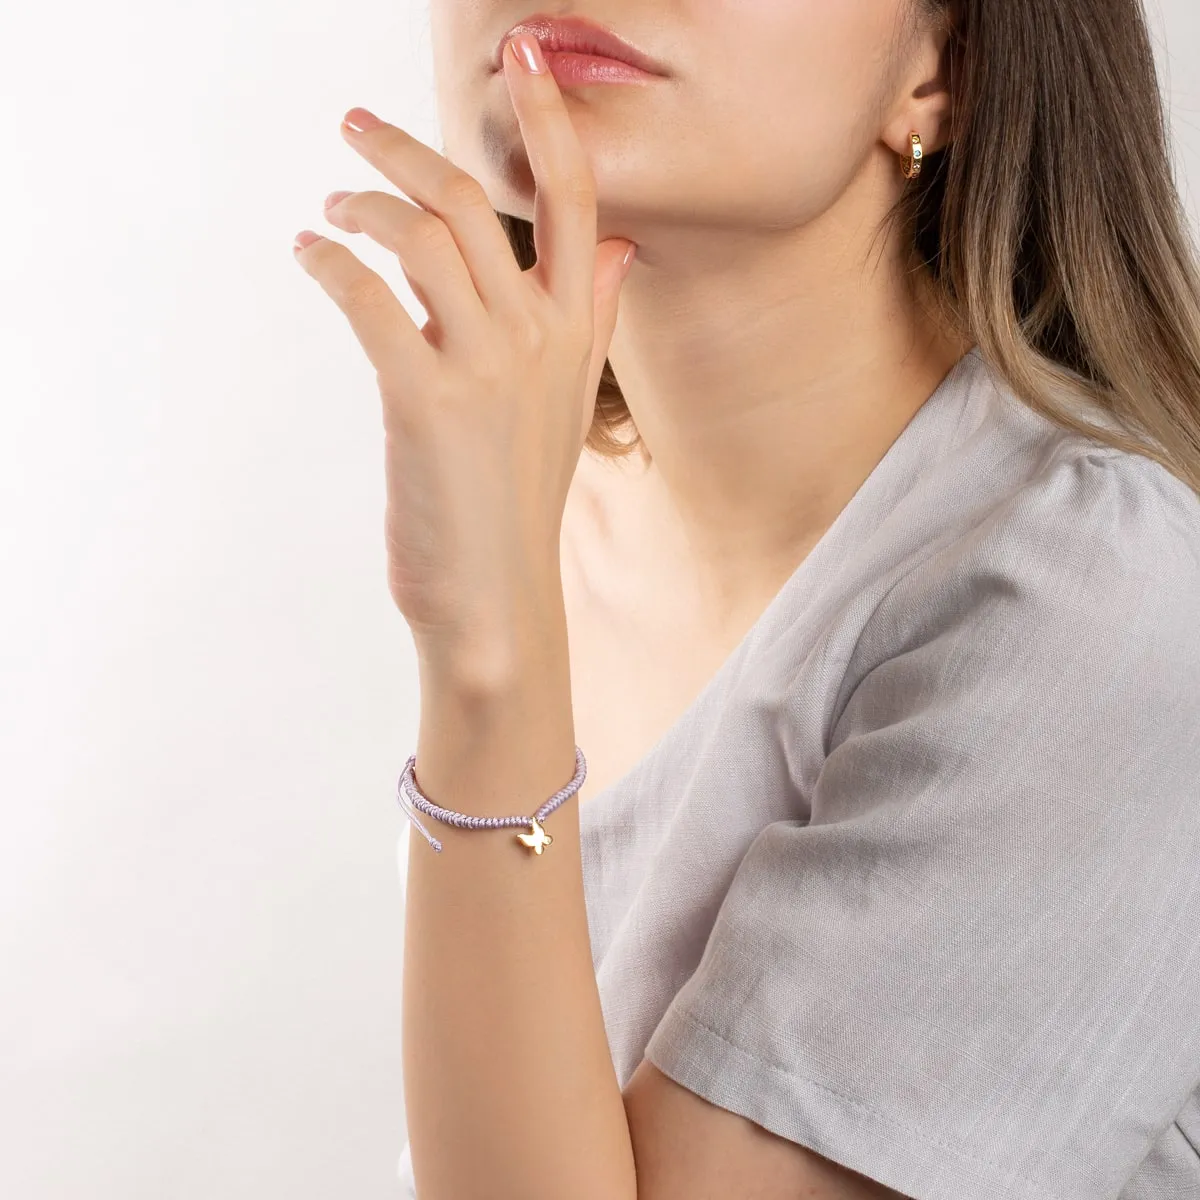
{"x": 1090, "y": 533}
{"x": 993, "y": 502}
{"x": 1044, "y": 483}
{"x": 1065, "y": 608}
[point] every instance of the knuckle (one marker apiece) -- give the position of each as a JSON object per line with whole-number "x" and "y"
{"x": 578, "y": 190}
{"x": 566, "y": 323}
{"x": 363, "y": 291}
{"x": 460, "y": 190}
{"x": 490, "y": 369}
{"x": 581, "y": 329}
{"x": 528, "y": 333}
{"x": 389, "y": 142}
{"x": 429, "y": 232}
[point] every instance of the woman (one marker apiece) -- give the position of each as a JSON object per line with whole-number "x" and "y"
{"x": 873, "y": 517}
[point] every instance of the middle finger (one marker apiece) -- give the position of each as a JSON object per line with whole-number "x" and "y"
{"x": 450, "y": 193}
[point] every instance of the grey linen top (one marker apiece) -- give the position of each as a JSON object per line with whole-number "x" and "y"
{"x": 915, "y": 880}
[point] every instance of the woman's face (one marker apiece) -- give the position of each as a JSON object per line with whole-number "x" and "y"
{"x": 769, "y": 111}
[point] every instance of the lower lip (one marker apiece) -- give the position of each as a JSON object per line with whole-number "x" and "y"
{"x": 576, "y": 69}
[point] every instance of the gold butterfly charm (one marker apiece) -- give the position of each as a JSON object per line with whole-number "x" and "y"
{"x": 538, "y": 840}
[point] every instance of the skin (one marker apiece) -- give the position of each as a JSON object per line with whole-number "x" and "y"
{"x": 792, "y": 354}
{"x": 767, "y": 343}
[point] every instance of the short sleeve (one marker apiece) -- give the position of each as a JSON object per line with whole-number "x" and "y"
{"x": 973, "y": 972}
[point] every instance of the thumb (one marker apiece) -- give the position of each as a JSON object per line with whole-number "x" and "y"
{"x": 611, "y": 270}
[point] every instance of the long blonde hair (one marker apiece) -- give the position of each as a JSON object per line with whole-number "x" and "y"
{"x": 1049, "y": 231}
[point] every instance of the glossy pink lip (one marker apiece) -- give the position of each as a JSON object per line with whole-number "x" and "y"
{"x": 577, "y": 35}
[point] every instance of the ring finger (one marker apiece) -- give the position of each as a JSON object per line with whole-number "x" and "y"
{"x": 428, "y": 254}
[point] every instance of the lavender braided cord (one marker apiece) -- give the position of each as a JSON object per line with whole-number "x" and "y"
{"x": 411, "y": 797}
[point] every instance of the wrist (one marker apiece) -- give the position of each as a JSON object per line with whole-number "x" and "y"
{"x": 491, "y": 739}
{"x": 515, "y": 646}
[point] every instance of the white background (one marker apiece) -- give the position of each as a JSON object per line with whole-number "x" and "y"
{"x": 206, "y": 694}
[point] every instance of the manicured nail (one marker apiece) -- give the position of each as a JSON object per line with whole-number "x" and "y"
{"x": 528, "y": 53}
{"x": 334, "y": 197}
{"x": 361, "y": 120}
{"x": 305, "y": 238}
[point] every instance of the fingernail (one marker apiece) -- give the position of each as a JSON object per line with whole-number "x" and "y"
{"x": 334, "y": 197}
{"x": 305, "y": 238}
{"x": 528, "y": 53}
{"x": 361, "y": 120}
{"x": 629, "y": 256}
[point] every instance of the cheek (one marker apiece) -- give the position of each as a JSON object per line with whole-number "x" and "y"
{"x": 790, "y": 99}
{"x": 460, "y": 52}
{"x": 821, "y": 65}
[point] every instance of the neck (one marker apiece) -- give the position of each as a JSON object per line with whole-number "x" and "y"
{"x": 767, "y": 373}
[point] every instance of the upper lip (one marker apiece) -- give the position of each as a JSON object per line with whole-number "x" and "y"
{"x": 580, "y": 36}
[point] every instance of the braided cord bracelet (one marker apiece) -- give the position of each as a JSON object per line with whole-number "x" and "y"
{"x": 537, "y": 839}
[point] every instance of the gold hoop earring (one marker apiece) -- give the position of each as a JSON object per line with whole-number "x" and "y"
{"x": 910, "y": 164}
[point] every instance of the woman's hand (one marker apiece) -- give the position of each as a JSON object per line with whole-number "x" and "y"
{"x": 487, "y": 406}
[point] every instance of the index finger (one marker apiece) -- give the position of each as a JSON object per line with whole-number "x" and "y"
{"x": 564, "y": 224}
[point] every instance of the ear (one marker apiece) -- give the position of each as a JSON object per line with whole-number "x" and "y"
{"x": 925, "y": 100}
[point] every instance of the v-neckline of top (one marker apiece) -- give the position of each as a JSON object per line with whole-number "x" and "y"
{"x": 592, "y": 811}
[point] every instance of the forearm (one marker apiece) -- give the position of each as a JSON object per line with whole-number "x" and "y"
{"x": 509, "y": 1084}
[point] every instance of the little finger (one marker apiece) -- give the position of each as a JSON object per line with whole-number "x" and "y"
{"x": 388, "y": 335}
